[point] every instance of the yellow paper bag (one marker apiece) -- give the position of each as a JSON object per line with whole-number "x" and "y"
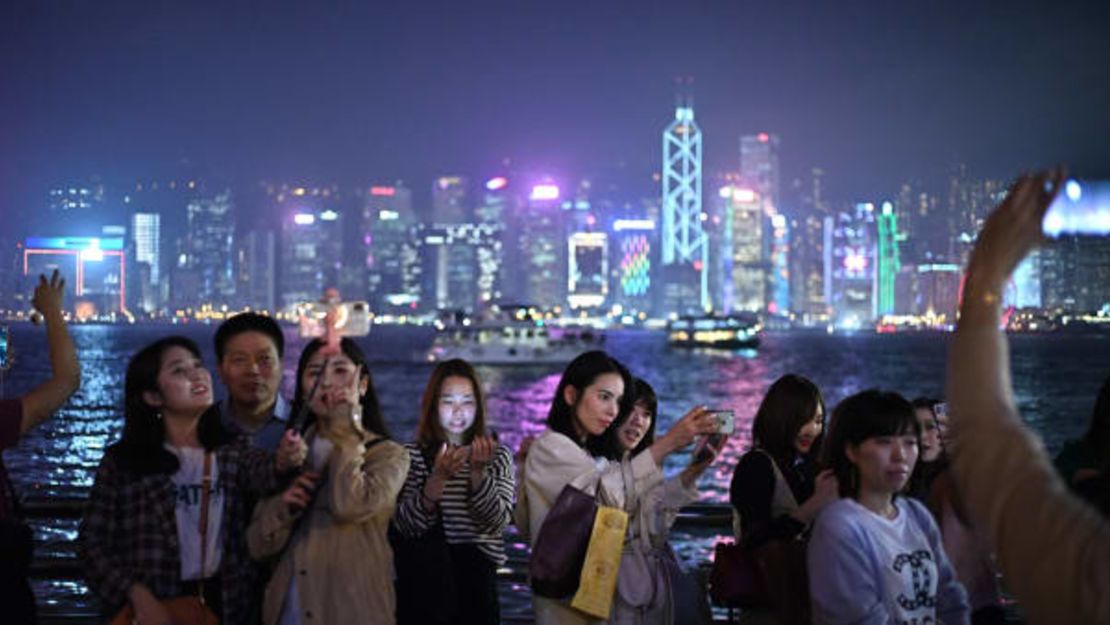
{"x": 603, "y": 561}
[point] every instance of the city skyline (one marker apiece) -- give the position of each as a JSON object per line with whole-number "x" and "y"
{"x": 873, "y": 94}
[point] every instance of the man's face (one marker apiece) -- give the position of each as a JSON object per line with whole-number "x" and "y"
{"x": 251, "y": 369}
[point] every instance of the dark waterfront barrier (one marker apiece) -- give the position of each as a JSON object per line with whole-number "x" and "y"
{"x": 59, "y": 563}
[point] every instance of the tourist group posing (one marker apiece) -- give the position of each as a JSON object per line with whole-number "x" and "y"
{"x": 255, "y": 510}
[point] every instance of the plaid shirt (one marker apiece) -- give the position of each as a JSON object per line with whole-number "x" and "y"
{"x": 11, "y": 421}
{"x": 129, "y": 532}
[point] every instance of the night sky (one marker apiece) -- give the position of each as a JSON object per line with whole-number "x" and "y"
{"x": 874, "y": 92}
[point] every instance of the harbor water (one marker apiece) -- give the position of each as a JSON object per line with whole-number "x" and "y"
{"x": 1056, "y": 378}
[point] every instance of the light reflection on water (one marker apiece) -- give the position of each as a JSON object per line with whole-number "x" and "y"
{"x": 1056, "y": 378}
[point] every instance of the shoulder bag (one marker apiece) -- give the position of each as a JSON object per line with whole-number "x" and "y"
{"x": 188, "y": 610}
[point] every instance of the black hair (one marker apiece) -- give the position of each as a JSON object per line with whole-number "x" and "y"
{"x": 579, "y": 374}
{"x": 141, "y": 449}
{"x": 372, "y": 420}
{"x": 641, "y": 393}
{"x": 787, "y": 407}
{"x": 248, "y": 322}
{"x": 865, "y": 415}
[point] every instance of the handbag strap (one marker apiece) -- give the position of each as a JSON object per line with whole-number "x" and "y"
{"x": 631, "y": 505}
{"x": 205, "y": 491}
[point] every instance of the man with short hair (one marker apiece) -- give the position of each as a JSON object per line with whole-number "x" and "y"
{"x": 249, "y": 349}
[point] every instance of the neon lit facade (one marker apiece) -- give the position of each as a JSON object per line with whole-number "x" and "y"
{"x": 746, "y": 270}
{"x": 99, "y": 281}
{"x": 850, "y": 267}
{"x": 685, "y": 246}
{"x": 889, "y": 262}
{"x": 588, "y": 273}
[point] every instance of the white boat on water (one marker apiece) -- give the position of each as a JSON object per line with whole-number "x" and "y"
{"x": 512, "y": 342}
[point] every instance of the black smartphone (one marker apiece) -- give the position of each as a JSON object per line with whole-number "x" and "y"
{"x": 704, "y": 450}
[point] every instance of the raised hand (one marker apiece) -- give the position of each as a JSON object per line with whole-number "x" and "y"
{"x": 291, "y": 452}
{"x": 49, "y": 295}
{"x": 482, "y": 449}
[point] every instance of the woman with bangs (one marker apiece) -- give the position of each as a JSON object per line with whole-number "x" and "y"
{"x": 459, "y": 491}
{"x": 651, "y": 520}
{"x": 875, "y": 556}
{"x": 590, "y": 397}
{"x": 327, "y": 531}
{"x": 776, "y": 490}
{"x": 165, "y": 513}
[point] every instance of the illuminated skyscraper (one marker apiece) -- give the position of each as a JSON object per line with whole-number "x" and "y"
{"x": 458, "y": 267}
{"x": 634, "y": 256}
{"x": 209, "y": 253}
{"x": 449, "y": 200}
{"x": 392, "y": 261}
{"x": 684, "y": 242}
{"x": 146, "y": 237}
{"x": 807, "y": 228}
{"x": 747, "y": 269}
{"x": 888, "y": 260}
{"x": 850, "y": 266}
{"x": 543, "y": 248}
{"x": 759, "y": 166}
{"x": 588, "y": 273}
{"x": 311, "y": 256}
{"x": 256, "y": 264}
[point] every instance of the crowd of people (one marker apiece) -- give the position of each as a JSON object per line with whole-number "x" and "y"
{"x": 309, "y": 512}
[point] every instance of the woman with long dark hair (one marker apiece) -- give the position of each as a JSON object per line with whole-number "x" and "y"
{"x": 875, "y": 556}
{"x": 591, "y": 395}
{"x": 328, "y": 530}
{"x": 776, "y": 490}
{"x": 141, "y": 534}
{"x": 459, "y": 491}
{"x": 650, "y": 522}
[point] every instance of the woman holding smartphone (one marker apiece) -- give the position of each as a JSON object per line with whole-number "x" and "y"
{"x": 651, "y": 519}
{"x": 459, "y": 491}
{"x": 588, "y": 400}
{"x": 327, "y": 531}
{"x": 874, "y": 556}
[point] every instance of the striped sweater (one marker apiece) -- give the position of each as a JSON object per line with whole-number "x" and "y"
{"x": 479, "y": 517}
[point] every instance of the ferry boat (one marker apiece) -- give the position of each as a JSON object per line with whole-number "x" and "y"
{"x": 724, "y": 331}
{"x": 511, "y": 341}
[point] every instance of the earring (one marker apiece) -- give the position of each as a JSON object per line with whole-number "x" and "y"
{"x": 158, "y": 415}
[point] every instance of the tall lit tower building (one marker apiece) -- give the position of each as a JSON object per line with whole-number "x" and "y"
{"x": 888, "y": 260}
{"x": 746, "y": 267}
{"x": 807, "y": 244}
{"x": 209, "y": 255}
{"x": 543, "y": 247}
{"x": 449, "y": 200}
{"x": 392, "y": 260}
{"x": 685, "y": 246}
{"x": 146, "y": 237}
{"x": 759, "y": 165}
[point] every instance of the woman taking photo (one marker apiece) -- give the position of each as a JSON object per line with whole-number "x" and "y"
{"x": 329, "y": 528}
{"x": 141, "y": 536}
{"x": 874, "y": 556}
{"x": 459, "y": 492}
{"x": 587, "y": 402}
{"x": 651, "y": 519}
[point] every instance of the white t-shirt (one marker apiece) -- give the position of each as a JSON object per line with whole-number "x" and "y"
{"x": 187, "y": 482}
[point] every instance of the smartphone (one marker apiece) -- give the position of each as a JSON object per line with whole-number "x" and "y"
{"x": 353, "y": 318}
{"x": 1081, "y": 207}
{"x": 704, "y": 449}
{"x": 5, "y": 334}
{"x": 726, "y": 421}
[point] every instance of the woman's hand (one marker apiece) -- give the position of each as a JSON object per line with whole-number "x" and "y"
{"x": 696, "y": 467}
{"x": 148, "y": 609}
{"x": 49, "y": 296}
{"x": 482, "y": 449}
{"x": 826, "y": 489}
{"x": 299, "y": 494}
{"x": 1011, "y": 231}
{"x": 448, "y": 461}
{"x": 697, "y": 421}
{"x": 291, "y": 452}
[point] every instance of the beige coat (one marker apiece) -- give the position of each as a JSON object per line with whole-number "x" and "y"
{"x": 339, "y": 551}
{"x": 553, "y": 462}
